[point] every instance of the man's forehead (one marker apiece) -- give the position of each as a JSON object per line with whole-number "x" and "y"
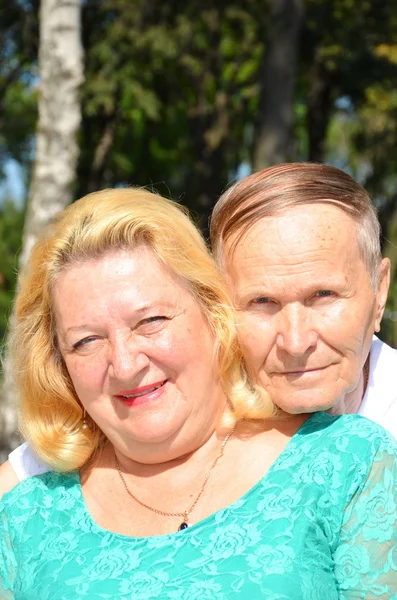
{"x": 295, "y": 225}
{"x": 324, "y": 238}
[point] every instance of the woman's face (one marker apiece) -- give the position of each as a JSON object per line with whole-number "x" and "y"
{"x": 140, "y": 354}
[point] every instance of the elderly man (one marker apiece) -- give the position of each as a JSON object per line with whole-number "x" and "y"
{"x": 299, "y": 246}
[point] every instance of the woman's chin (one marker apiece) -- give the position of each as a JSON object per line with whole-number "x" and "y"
{"x": 155, "y": 434}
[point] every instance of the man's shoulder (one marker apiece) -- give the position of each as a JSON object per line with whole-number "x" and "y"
{"x": 383, "y": 370}
{"x": 382, "y": 352}
{"x": 25, "y": 463}
{"x": 8, "y": 478}
{"x": 380, "y": 400}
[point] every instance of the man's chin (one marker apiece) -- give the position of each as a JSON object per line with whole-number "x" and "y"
{"x": 298, "y": 406}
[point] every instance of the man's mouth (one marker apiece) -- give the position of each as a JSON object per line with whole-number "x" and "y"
{"x": 302, "y": 371}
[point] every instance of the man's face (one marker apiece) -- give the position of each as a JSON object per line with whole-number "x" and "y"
{"x": 306, "y": 306}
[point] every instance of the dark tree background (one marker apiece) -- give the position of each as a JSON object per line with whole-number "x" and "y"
{"x": 185, "y": 96}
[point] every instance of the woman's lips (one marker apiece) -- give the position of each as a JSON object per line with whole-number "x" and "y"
{"x": 141, "y": 395}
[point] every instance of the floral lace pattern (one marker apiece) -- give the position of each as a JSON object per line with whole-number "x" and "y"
{"x": 321, "y": 525}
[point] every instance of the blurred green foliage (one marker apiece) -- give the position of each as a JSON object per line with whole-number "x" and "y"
{"x": 170, "y": 100}
{"x": 11, "y": 225}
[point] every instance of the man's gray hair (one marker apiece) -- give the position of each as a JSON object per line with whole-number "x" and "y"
{"x": 275, "y": 189}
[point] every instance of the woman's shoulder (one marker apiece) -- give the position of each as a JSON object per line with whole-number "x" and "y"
{"x": 40, "y": 490}
{"x": 350, "y": 431}
{"x": 343, "y": 453}
{"x": 354, "y": 424}
{"x": 42, "y": 503}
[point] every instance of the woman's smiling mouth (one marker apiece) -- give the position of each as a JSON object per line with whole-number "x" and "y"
{"x": 142, "y": 394}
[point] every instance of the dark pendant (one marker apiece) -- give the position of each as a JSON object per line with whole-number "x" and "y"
{"x": 183, "y": 526}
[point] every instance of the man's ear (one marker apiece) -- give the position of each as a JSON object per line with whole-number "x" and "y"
{"x": 383, "y": 290}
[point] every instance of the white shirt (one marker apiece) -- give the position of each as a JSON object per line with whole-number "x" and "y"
{"x": 379, "y": 404}
{"x": 380, "y": 399}
{"x": 25, "y": 463}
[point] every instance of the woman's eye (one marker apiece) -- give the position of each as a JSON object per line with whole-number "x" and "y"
{"x": 155, "y": 319}
{"x": 152, "y": 324}
{"x": 84, "y": 343}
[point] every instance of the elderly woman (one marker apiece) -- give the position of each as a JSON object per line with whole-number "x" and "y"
{"x": 168, "y": 478}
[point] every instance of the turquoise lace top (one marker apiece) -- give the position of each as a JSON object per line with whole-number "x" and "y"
{"x": 321, "y": 525}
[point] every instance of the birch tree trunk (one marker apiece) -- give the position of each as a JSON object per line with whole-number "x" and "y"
{"x": 54, "y": 173}
{"x": 276, "y": 107}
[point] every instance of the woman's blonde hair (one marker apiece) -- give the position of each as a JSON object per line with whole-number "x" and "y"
{"x": 51, "y": 415}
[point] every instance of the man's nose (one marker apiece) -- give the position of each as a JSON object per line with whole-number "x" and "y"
{"x": 296, "y": 333}
{"x": 127, "y": 359}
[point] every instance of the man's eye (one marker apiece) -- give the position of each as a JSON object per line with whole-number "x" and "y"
{"x": 261, "y": 300}
{"x": 323, "y": 293}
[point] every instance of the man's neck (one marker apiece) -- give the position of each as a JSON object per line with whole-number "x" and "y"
{"x": 351, "y": 402}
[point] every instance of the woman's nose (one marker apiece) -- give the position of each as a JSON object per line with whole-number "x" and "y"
{"x": 128, "y": 358}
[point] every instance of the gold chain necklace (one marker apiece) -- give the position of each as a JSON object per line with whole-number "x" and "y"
{"x": 185, "y": 514}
